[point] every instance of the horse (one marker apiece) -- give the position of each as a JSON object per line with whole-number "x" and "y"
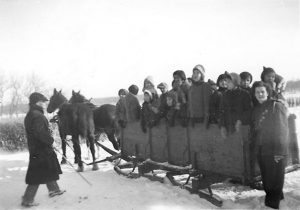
{"x": 75, "y": 120}
{"x": 104, "y": 118}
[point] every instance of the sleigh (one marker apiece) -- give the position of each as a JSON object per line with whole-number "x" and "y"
{"x": 194, "y": 157}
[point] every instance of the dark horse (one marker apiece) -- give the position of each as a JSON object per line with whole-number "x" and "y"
{"x": 75, "y": 120}
{"x": 104, "y": 118}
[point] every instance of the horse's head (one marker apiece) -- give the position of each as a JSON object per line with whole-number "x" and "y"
{"x": 77, "y": 98}
{"x": 56, "y": 100}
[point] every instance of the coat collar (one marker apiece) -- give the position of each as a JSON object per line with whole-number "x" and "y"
{"x": 36, "y": 107}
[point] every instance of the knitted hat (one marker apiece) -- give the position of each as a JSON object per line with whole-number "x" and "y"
{"x": 266, "y": 70}
{"x": 199, "y": 68}
{"x": 149, "y": 79}
{"x": 162, "y": 85}
{"x": 180, "y": 74}
{"x": 36, "y": 97}
{"x": 134, "y": 89}
{"x": 244, "y": 75}
{"x": 226, "y": 75}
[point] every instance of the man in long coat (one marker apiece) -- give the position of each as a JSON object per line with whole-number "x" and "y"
{"x": 43, "y": 165}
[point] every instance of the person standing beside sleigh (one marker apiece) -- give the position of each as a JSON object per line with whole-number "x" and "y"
{"x": 43, "y": 165}
{"x": 270, "y": 128}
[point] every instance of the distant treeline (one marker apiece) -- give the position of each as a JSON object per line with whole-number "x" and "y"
{"x": 293, "y": 86}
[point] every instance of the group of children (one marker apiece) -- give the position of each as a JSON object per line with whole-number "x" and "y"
{"x": 228, "y": 102}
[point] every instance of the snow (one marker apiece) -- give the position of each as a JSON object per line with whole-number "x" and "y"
{"x": 112, "y": 191}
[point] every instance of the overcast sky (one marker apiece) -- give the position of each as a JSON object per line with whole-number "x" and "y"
{"x": 100, "y": 46}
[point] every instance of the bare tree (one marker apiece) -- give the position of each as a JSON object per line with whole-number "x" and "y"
{"x": 16, "y": 95}
{"x": 33, "y": 83}
{"x": 3, "y": 88}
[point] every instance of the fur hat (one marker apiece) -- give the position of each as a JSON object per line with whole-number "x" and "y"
{"x": 244, "y": 75}
{"x": 226, "y": 75}
{"x": 150, "y": 80}
{"x": 134, "y": 89}
{"x": 36, "y": 97}
{"x": 162, "y": 85}
{"x": 235, "y": 78}
{"x": 180, "y": 73}
{"x": 266, "y": 70}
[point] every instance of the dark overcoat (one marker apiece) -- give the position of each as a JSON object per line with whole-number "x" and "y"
{"x": 43, "y": 164}
{"x": 214, "y": 106}
{"x": 198, "y": 97}
{"x": 235, "y": 105}
{"x": 270, "y": 128}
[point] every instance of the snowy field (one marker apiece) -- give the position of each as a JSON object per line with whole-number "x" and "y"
{"x": 112, "y": 191}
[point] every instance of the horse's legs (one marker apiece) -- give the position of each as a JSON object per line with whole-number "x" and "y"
{"x": 97, "y": 135}
{"x": 91, "y": 140}
{"x": 75, "y": 156}
{"x": 77, "y": 151}
{"x": 112, "y": 139}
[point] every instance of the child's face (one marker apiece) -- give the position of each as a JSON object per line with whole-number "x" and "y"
{"x": 196, "y": 75}
{"x": 146, "y": 97}
{"x": 224, "y": 83}
{"x": 261, "y": 94}
{"x": 230, "y": 84}
{"x": 177, "y": 79}
{"x": 169, "y": 101}
{"x": 269, "y": 78}
{"x": 163, "y": 90}
{"x": 122, "y": 96}
{"x": 177, "y": 83}
{"x": 245, "y": 83}
{"x": 148, "y": 85}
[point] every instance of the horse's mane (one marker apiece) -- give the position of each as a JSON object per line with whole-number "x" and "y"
{"x": 79, "y": 98}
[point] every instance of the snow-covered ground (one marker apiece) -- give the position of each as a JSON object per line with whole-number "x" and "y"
{"x": 112, "y": 191}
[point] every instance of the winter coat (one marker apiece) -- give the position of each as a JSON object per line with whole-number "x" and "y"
{"x": 199, "y": 95}
{"x": 148, "y": 117}
{"x": 235, "y": 105}
{"x": 163, "y": 104}
{"x": 121, "y": 112}
{"x": 214, "y": 106}
{"x": 248, "y": 89}
{"x": 270, "y": 128}
{"x": 132, "y": 107}
{"x": 43, "y": 164}
{"x": 185, "y": 86}
{"x": 181, "y": 105}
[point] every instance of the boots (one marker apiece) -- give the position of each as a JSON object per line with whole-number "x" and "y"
{"x": 53, "y": 189}
{"x": 28, "y": 198}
